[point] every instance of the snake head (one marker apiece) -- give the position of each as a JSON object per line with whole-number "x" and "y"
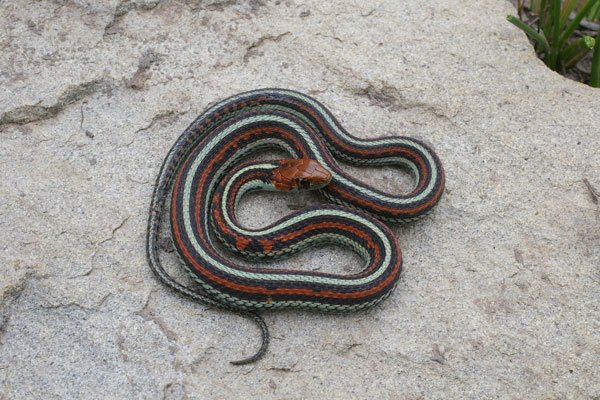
{"x": 300, "y": 174}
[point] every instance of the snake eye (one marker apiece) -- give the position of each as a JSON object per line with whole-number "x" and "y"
{"x": 303, "y": 183}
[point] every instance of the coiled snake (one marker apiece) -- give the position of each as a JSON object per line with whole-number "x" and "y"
{"x": 207, "y": 181}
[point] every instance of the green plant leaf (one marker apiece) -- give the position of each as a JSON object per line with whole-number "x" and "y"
{"x": 553, "y": 28}
{"x": 545, "y": 20}
{"x": 594, "y": 13}
{"x": 576, "y": 50}
{"x": 595, "y": 76}
{"x": 566, "y": 10}
{"x": 530, "y": 31}
{"x": 575, "y": 22}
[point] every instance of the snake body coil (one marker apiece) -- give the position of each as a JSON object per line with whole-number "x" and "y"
{"x": 213, "y": 145}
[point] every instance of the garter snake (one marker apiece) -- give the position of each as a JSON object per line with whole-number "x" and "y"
{"x": 203, "y": 175}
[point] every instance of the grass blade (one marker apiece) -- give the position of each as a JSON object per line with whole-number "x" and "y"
{"x": 530, "y": 31}
{"x": 575, "y": 23}
{"x": 594, "y": 13}
{"x": 567, "y": 8}
{"x": 554, "y": 27}
{"x": 576, "y": 50}
{"x": 595, "y": 77}
{"x": 545, "y": 20}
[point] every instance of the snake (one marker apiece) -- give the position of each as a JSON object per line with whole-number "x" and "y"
{"x": 205, "y": 175}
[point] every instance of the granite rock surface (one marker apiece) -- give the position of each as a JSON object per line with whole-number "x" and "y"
{"x": 500, "y": 294}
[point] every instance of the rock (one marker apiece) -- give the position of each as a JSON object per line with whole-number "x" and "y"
{"x": 500, "y": 294}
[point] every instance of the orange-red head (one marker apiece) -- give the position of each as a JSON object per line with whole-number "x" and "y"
{"x": 300, "y": 174}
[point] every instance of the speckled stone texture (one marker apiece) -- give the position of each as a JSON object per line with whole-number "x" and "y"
{"x": 500, "y": 295}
